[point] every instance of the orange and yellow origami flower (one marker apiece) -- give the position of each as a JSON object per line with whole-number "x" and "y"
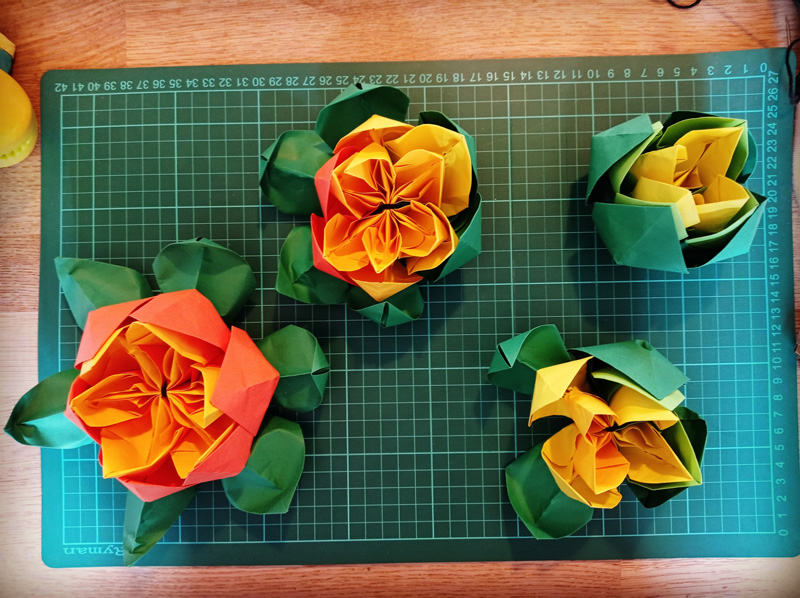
{"x": 386, "y": 196}
{"x": 607, "y": 442}
{"x": 626, "y": 425}
{"x": 172, "y": 396}
{"x": 391, "y": 204}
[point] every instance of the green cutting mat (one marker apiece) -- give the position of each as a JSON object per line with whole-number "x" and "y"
{"x": 406, "y": 457}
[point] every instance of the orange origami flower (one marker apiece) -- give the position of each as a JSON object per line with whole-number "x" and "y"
{"x": 606, "y": 441}
{"x": 386, "y": 196}
{"x": 170, "y": 393}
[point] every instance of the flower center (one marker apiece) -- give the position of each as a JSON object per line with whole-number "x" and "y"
{"x": 164, "y": 390}
{"x": 389, "y": 206}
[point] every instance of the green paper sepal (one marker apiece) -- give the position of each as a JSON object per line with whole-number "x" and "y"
{"x": 222, "y": 275}
{"x": 302, "y": 366}
{"x": 517, "y": 359}
{"x": 147, "y": 522}
{"x": 287, "y": 172}
{"x": 299, "y": 279}
{"x": 402, "y": 307}
{"x": 642, "y": 363}
{"x": 355, "y": 105}
{"x": 640, "y": 236}
{"x": 610, "y": 148}
{"x": 38, "y": 418}
{"x": 89, "y": 285}
{"x": 688, "y": 439}
{"x": 544, "y": 509}
{"x": 268, "y": 482}
{"x": 469, "y": 240}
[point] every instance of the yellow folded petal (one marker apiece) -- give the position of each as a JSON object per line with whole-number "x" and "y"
{"x": 708, "y": 154}
{"x": 376, "y": 129}
{"x": 652, "y": 459}
{"x": 657, "y": 192}
{"x": 419, "y": 177}
{"x": 629, "y": 405}
{"x": 720, "y": 202}
{"x": 381, "y": 286}
{"x": 550, "y": 395}
{"x": 659, "y": 165}
{"x": 558, "y": 452}
{"x": 210, "y": 375}
{"x": 597, "y": 460}
{"x": 452, "y": 146}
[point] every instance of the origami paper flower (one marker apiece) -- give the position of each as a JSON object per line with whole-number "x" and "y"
{"x": 670, "y": 197}
{"x": 173, "y": 396}
{"x": 626, "y": 425}
{"x": 391, "y": 204}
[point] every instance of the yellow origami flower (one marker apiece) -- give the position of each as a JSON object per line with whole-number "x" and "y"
{"x": 386, "y": 196}
{"x": 692, "y": 175}
{"x": 606, "y": 442}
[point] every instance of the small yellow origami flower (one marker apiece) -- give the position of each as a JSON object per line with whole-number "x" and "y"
{"x": 606, "y": 442}
{"x": 692, "y": 175}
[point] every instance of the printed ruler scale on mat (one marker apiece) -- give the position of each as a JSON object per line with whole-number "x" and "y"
{"x": 406, "y": 456}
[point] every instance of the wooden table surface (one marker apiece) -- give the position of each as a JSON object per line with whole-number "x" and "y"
{"x": 78, "y": 34}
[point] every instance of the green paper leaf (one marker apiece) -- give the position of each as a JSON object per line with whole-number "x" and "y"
{"x": 89, "y": 285}
{"x": 517, "y": 359}
{"x": 543, "y": 508}
{"x": 222, "y": 275}
{"x": 402, "y": 307}
{"x": 615, "y": 379}
{"x": 688, "y": 440}
{"x": 302, "y": 364}
{"x": 611, "y": 146}
{"x": 640, "y": 236}
{"x": 642, "y": 363}
{"x": 267, "y": 483}
{"x": 287, "y": 170}
{"x": 299, "y": 279}
{"x": 355, "y": 105}
{"x": 38, "y": 418}
{"x": 147, "y": 522}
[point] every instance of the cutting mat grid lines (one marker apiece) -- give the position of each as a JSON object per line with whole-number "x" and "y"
{"x": 406, "y": 456}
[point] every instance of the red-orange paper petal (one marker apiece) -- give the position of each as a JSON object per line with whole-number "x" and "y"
{"x": 246, "y": 382}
